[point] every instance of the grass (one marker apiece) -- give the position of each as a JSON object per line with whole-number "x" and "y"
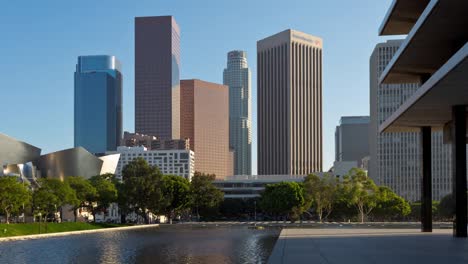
{"x": 8, "y": 230}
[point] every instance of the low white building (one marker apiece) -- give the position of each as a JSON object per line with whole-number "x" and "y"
{"x": 170, "y": 162}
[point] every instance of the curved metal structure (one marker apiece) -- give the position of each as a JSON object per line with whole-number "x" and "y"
{"x": 69, "y": 162}
{"x": 13, "y": 151}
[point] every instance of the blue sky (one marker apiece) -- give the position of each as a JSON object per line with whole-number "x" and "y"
{"x": 40, "y": 42}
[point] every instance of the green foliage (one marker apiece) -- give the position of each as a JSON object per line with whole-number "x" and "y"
{"x": 176, "y": 195}
{"x": 63, "y": 191}
{"x": 446, "y": 207}
{"x": 59, "y": 194}
{"x": 45, "y": 202}
{"x": 285, "y": 198}
{"x": 85, "y": 192}
{"x": 321, "y": 193}
{"x": 13, "y": 196}
{"x": 205, "y": 197}
{"x": 106, "y": 193}
{"x": 361, "y": 192}
{"x": 390, "y": 205}
{"x": 416, "y": 210}
{"x": 141, "y": 190}
{"x": 23, "y": 229}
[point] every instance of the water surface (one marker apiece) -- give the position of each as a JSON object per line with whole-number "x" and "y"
{"x": 167, "y": 244}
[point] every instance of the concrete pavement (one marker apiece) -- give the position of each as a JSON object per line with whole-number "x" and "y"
{"x": 362, "y": 246}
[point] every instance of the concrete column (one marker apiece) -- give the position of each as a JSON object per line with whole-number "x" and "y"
{"x": 459, "y": 170}
{"x": 426, "y": 186}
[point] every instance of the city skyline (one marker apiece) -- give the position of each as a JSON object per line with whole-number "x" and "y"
{"x": 62, "y": 135}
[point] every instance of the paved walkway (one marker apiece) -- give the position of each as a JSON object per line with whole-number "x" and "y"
{"x": 364, "y": 246}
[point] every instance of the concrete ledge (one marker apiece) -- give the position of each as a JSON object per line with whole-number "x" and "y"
{"x": 78, "y": 232}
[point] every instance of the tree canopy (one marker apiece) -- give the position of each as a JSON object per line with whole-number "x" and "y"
{"x": 204, "y": 195}
{"x": 13, "y": 196}
{"x": 360, "y": 191}
{"x": 84, "y": 191}
{"x": 176, "y": 195}
{"x": 321, "y": 193}
{"x": 285, "y": 198}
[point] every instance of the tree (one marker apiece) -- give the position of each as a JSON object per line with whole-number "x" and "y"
{"x": 204, "y": 195}
{"x": 447, "y": 206}
{"x": 141, "y": 188}
{"x": 176, "y": 195}
{"x": 285, "y": 198}
{"x": 45, "y": 202}
{"x": 62, "y": 190}
{"x": 361, "y": 192}
{"x": 416, "y": 209}
{"x": 390, "y": 205}
{"x": 13, "y": 196}
{"x": 320, "y": 193}
{"x": 85, "y": 193}
{"x": 106, "y": 193}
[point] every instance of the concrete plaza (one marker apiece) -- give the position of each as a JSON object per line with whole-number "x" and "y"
{"x": 362, "y": 246}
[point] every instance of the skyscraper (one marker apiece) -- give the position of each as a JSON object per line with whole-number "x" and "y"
{"x": 237, "y": 77}
{"x": 352, "y": 139}
{"x": 289, "y": 81}
{"x": 395, "y": 157}
{"x": 157, "y": 84}
{"x": 98, "y": 103}
{"x": 204, "y": 120}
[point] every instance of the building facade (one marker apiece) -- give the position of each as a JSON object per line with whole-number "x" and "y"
{"x": 153, "y": 143}
{"x": 289, "y": 81}
{"x": 352, "y": 139}
{"x": 169, "y": 162}
{"x": 251, "y": 186}
{"x": 237, "y": 77}
{"x": 205, "y": 121}
{"x": 98, "y": 103}
{"x": 157, "y": 84}
{"x": 395, "y": 157}
{"x": 26, "y": 162}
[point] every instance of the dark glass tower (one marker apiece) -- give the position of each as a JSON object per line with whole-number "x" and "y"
{"x": 98, "y": 103}
{"x": 157, "y": 80}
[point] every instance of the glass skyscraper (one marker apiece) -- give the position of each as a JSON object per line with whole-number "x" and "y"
{"x": 98, "y": 103}
{"x": 237, "y": 76}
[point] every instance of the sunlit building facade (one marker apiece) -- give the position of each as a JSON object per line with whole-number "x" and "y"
{"x": 395, "y": 157}
{"x": 205, "y": 122}
{"x": 289, "y": 82}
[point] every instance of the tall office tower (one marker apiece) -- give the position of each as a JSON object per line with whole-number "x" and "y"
{"x": 98, "y": 103}
{"x": 289, "y": 81}
{"x": 237, "y": 76}
{"x": 352, "y": 139}
{"x": 204, "y": 120}
{"x": 157, "y": 84}
{"x": 395, "y": 157}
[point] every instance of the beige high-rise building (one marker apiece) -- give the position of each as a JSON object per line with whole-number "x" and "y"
{"x": 204, "y": 119}
{"x": 395, "y": 158}
{"x": 289, "y": 101}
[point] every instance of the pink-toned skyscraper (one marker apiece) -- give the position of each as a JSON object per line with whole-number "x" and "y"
{"x": 204, "y": 120}
{"x": 157, "y": 80}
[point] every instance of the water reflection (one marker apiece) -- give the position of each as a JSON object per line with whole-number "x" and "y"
{"x": 168, "y": 244}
